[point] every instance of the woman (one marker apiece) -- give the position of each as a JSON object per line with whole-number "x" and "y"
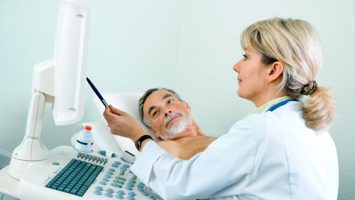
{"x": 281, "y": 151}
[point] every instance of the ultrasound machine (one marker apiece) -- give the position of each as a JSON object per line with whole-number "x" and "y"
{"x": 36, "y": 172}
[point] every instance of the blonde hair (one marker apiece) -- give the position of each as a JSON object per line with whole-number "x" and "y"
{"x": 296, "y": 44}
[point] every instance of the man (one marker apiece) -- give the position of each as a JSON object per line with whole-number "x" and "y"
{"x": 168, "y": 118}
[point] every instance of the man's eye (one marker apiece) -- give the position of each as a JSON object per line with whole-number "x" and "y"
{"x": 170, "y": 101}
{"x": 155, "y": 113}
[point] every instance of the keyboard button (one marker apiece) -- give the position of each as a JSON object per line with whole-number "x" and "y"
{"x": 108, "y": 195}
{"x": 109, "y": 190}
{"x": 102, "y": 152}
{"x": 103, "y": 183}
{"x": 99, "y": 188}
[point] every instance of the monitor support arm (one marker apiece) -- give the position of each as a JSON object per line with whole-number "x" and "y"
{"x": 31, "y": 148}
{"x": 65, "y": 87}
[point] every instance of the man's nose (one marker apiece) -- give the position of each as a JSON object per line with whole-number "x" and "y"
{"x": 167, "y": 113}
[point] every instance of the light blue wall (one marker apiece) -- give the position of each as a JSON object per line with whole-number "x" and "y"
{"x": 189, "y": 45}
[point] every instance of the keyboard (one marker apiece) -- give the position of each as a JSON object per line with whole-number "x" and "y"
{"x": 76, "y": 177}
{"x": 70, "y": 175}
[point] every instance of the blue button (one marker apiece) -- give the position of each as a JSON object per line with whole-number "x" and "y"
{"x": 102, "y": 152}
{"x": 120, "y": 197}
{"x": 109, "y": 190}
{"x": 120, "y": 192}
{"x": 114, "y": 184}
{"x": 109, "y": 195}
{"x": 131, "y": 193}
{"x": 99, "y": 188}
{"x": 56, "y": 163}
{"x": 98, "y": 192}
{"x": 81, "y": 193}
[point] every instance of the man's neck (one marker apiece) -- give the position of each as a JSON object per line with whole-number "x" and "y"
{"x": 192, "y": 130}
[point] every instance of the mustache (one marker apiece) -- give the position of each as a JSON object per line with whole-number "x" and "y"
{"x": 170, "y": 117}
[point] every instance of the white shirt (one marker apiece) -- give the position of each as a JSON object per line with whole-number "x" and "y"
{"x": 271, "y": 155}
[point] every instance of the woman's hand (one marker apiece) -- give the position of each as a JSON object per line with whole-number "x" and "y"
{"x": 187, "y": 147}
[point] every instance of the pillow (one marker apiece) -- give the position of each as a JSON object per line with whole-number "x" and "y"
{"x": 127, "y": 102}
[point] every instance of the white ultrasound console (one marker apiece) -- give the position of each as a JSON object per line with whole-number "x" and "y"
{"x": 70, "y": 175}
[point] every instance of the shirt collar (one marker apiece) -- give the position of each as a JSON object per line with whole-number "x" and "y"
{"x": 266, "y": 106}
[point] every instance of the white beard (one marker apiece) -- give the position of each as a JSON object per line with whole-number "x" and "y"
{"x": 177, "y": 128}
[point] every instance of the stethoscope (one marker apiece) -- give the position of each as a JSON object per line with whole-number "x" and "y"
{"x": 276, "y": 106}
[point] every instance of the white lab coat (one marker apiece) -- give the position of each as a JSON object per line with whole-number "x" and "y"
{"x": 272, "y": 155}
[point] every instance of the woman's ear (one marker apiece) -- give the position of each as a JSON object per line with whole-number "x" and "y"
{"x": 275, "y": 71}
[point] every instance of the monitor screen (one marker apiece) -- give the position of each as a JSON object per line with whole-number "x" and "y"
{"x": 70, "y": 62}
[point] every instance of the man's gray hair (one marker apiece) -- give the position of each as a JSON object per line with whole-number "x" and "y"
{"x": 145, "y": 96}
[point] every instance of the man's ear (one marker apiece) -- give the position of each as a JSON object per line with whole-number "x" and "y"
{"x": 275, "y": 71}
{"x": 154, "y": 132}
{"x": 187, "y": 106}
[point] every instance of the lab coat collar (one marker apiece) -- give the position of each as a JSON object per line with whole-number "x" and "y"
{"x": 268, "y": 105}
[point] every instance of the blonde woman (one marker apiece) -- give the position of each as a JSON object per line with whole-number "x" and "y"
{"x": 281, "y": 151}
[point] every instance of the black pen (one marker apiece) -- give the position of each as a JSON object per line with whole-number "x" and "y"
{"x": 97, "y": 92}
